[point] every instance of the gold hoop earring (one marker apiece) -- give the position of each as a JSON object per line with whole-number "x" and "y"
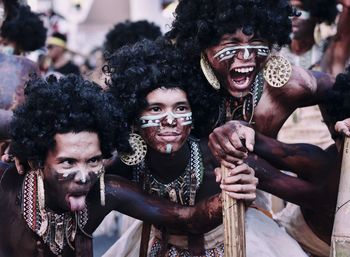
{"x": 139, "y": 149}
{"x": 209, "y": 73}
{"x": 277, "y": 71}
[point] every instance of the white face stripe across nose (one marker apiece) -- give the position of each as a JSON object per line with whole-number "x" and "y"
{"x": 231, "y": 51}
{"x": 80, "y": 175}
{"x": 155, "y": 120}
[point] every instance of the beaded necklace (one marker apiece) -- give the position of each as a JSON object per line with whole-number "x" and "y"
{"x": 183, "y": 189}
{"x": 231, "y": 109}
{"x": 56, "y": 230}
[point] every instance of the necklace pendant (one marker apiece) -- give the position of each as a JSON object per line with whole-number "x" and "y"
{"x": 172, "y": 195}
{"x": 59, "y": 231}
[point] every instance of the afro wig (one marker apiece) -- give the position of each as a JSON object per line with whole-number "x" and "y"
{"x": 10, "y": 7}
{"x": 200, "y": 24}
{"x": 322, "y": 10}
{"x": 25, "y": 29}
{"x": 127, "y": 33}
{"x": 136, "y": 71}
{"x": 338, "y": 99}
{"x": 69, "y": 104}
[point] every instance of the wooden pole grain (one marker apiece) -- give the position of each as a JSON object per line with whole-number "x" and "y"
{"x": 340, "y": 244}
{"x": 233, "y": 219}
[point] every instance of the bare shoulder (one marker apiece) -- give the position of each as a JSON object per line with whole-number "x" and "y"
{"x": 301, "y": 85}
{"x": 302, "y": 81}
{"x": 304, "y": 88}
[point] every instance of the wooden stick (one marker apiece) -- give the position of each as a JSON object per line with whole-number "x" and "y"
{"x": 341, "y": 229}
{"x": 233, "y": 220}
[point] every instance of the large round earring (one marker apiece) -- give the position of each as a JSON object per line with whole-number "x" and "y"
{"x": 277, "y": 71}
{"x": 139, "y": 149}
{"x": 209, "y": 73}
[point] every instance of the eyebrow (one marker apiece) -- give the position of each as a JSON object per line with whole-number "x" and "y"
{"x": 177, "y": 103}
{"x": 63, "y": 158}
{"x": 236, "y": 39}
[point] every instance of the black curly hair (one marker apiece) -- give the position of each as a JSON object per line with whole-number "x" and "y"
{"x": 69, "y": 104}
{"x": 321, "y": 10}
{"x": 10, "y": 7}
{"x": 338, "y": 99}
{"x": 136, "y": 71}
{"x": 25, "y": 29}
{"x": 200, "y": 24}
{"x": 127, "y": 33}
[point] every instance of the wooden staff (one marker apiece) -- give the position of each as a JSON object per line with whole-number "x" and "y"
{"x": 341, "y": 229}
{"x": 233, "y": 220}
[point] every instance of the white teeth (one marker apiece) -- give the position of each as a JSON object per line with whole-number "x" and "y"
{"x": 244, "y": 70}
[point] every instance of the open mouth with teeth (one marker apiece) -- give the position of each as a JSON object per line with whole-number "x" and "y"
{"x": 242, "y": 77}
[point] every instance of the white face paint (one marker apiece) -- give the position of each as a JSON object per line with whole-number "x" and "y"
{"x": 79, "y": 175}
{"x": 169, "y": 148}
{"x": 304, "y": 15}
{"x": 71, "y": 168}
{"x": 156, "y": 120}
{"x": 166, "y": 121}
{"x": 233, "y": 51}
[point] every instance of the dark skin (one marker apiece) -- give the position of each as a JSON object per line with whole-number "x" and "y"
{"x": 317, "y": 182}
{"x": 175, "y": 165}
{"x": 338, "y": 52}
{"x": 303, "y": 31}
{"x": 304, "y": 88}
{"x": 166, "y": 167}
{"x": 120, "y": 194}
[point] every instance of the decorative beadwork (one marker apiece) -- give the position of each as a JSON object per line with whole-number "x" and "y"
{"x": 181, "y": 190}
{"x": 56, "y": 230}
{"x": 139, "y": 148}
{"x": 230, "y": 109}
{"x": 173, "y": 251}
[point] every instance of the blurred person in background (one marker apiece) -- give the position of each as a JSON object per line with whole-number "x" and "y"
{"x": 21, "y": 32}
{"x": 305, "y": 50}
{"x": 123, "y": 33}
{"x": 58, "y": 58}
{"x": 128, "y": 33}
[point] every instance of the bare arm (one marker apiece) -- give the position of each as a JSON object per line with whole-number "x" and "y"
{"x": 306, "y": 160}
{"x": 291, "y": 189}
{"x": 126, "y": 197}
{"x": 338, "y": 52}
